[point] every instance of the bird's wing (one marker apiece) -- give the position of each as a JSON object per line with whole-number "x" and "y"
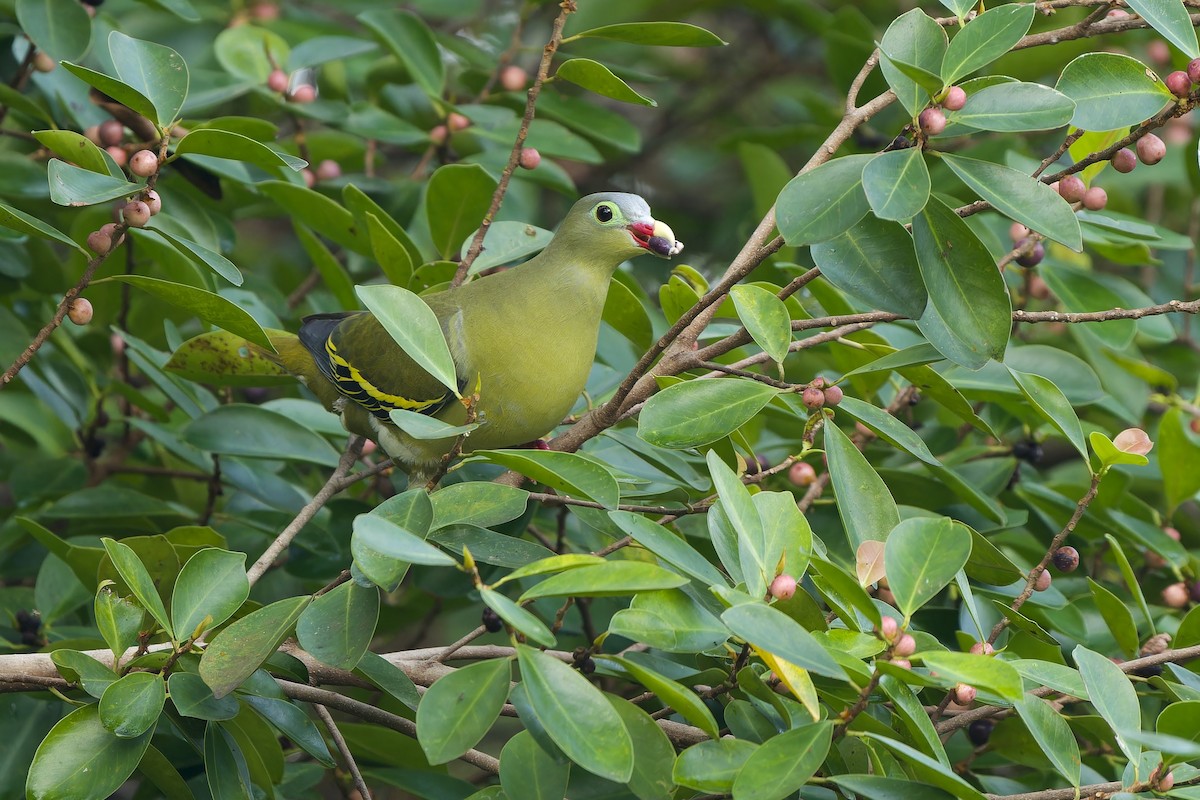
{"x": 362, "y": 361}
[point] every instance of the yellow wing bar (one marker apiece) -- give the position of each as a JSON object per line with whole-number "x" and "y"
{"x": 354, "y": 385}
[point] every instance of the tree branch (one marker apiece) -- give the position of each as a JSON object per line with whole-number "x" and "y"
{"x": 343, "y": 748}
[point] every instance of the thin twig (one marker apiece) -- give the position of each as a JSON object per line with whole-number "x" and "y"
{"x": 343, "y": 748}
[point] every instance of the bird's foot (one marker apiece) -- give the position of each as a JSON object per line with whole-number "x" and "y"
{"x": 536, "y": 444}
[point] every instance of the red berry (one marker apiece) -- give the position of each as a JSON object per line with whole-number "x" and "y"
{"x": 1072, "y": 188}
{"x": 154, "y": 201}
{"x": 833, "y": 395}
{"x": 328, "y": 169}
{"x": 304, "y": 93}
{"x": 932, "y": 121}
{"x": 530, "y": 158}
{"x": 1124, "y": 160}
{"x": 513, "y": 78}
{"x": 457, "y": 121}
{"x": 1095, "y": 199}
{"x": 119, "y": 156}
{"x": 136, "y": 213}
{"x": 111, "y": 132}
{"x": 1043, "y": 581}
{"x": 144, "y": 163}
{"x": 1178, "y": 83}
{"x": 1150, "y": 149}
{"x": 964, "y": 694}
{"x": 277, "y": 81}
{"x": 813, "y": 398}
{"x": 99, "y": 243}
{"x": 955, "y": 99}
{"x": 783, "y": 587}
{"x": 80, "y": 312}
{"x": 1066, "y": 559}
{"x": 802, "y": 474}
{"x": 905, "y": 646}
{"x": 1176, "y": 595}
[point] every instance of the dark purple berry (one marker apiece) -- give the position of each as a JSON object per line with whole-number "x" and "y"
{"x": 1193, "y": 70}
{"x": 980, "y": 731}
{"x": 1066, "y": 559}
{"x": 1029, "y": 451}
{"x": 491, "y": 621}
{"x": 1151, "y": 671}
{"x": 1031, "y": 256}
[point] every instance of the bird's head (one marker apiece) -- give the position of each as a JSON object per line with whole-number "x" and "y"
{"x": 620, "y": 224}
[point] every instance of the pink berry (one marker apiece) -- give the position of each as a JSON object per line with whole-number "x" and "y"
{"x": 513, "y": 78}
{"x": 438, "y": 135}
{"x": 1095, "y": 199}
{"x": 1178, "y": 83}
{"x": 783, "y": 587}
{"x": 802, "y": 474}
{"x": 902, "y": 662}
{"x": 304, "y": 93}
{"x": 1117, "y": 13}
{"x": 889, "y": 629}
{"x": 328, "y": 169}
{"x": 80, "y": 312}
{"x": 136, "y": 213}
{"x": 1167, "y": 782}
{"x": 1038, "y": 288}
{"x": 1043, "y": 581}
{"x": 119, "y": 156}
{"x": 955, "y": 99}
{"x": 932, "y": 121}
{"x": 42, "y": 62}
{"x": 309, "y": 177}
{"x": 982, "y": 649}
{"x": 110, "y": 230}
{"x": 369, "y": 447}
{"x": 1017, "y": 231}
{"x": 1193, "y": 70}
{"x": 1072, "y": 188}
{"x": 92, "y": 132}
{"x": 530, "y": 158}
{"x": 99, "y": 243}
{"x": 813, "y": 398}
{"x": 1150, "y": 149}
{"x": 457, "y": 121}
{"x": 111, "y": 132}
{"x": 154, "y": 201}
{"x": 1176, "y": 595}
{"x": 277, "y": 81}
{"x": 964, "y": 694}
{"x": 144, "y": 163}
{"x": 905, "y": 646}
{"x": 1159, "y": 52}
{"x": 1173, "y": 533}
{"x": 1124, "y": 160}
{"x": 833, "y": 395}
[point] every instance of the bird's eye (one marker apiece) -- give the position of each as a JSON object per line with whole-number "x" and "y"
{"x": 604, "y": 213}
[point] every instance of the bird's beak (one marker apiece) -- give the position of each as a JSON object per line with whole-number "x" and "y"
{"x": 655, "y": 236}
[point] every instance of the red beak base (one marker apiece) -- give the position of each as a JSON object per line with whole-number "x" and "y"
{"x": 641, "y": 233}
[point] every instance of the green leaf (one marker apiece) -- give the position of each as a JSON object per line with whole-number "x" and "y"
{"x": 412, "y": 324}
{"x": 888, "y": 428}
{"x": 1016, "y": 195}
{"x": 507, "y": 242}
{"x": 211, "y": 586}
{"x": 210, "y": 258}
{"x": 984, "y": 39}
{"x": 135, "y": 575}
{"x": 236, "y": 147}
{"x": 244, "y": 645}
{"x": 80, "y": 668}
{"x": 915, "y": 38}
{"x": 460, "y": 708}
{"x": 775, "y": 632}
{"x": 875, "y": 261}
{"x": 757, "y": 561}
{"x": 683, "y": 700}
{"x": 456, "y": 200}
{"x": 609, "y": 579}
{"x": 130, "y": 706}
{"x": 409, "y": 39}
{"x": 155, "y": 71}
{"x": 765, "y": 317}
{"x": 1112, "y": 694}
{"x": 225, "y": 765}
{"x": 1059, "y": 677}
{"x": 576, "y": 715}
{"x": 1178, "y": 719}
{"x": 1177, "y": 457}
{"x": 424, "y": 427}
{"x": 1015, "y": 107}
{"x": 192, "y": 698}
{"x": 226, "y": 359}
{"x": 337, "y": 628}
{"x": 784, "y": 763}
{"x": 670, "y": 547}
{"x": 865, "y": 503}
{"x": 383, "y": 550}
{"x": 476, "y": 503}
{"x": 332, "y": 272}
{"x": 661, "y": 34}
{"x": 75, "y": 186}
{"x": 1111, "y": 91}
{"x": 669, "y": 620}
{"x": 1170, "y": 18}
{"x": 928, "y": 770}
{"x": 1079, "y": 290}
{"x": 18, "y": 220}
{"x": 569, "y": 473}
{"x": 121, "y": 92}
{"x": 877, "y": 787}
{"x": 980, "y": 671}
{"x": 118, "y": 618}
{"x": 897, "y": 184}
{"x": 290, "y": 721}
{"x": 528, "y": 771}
{"x": 1052, "y": 405}
{"x": 624, "y": 312}
{"x": 824, "y": 202}
{"x": 699, "y": 412}
{"x": 595, "y": 77}
{"x": 241, "y": 429}
{"x": 79, "y": 150}
{"x": 1118, "y": 617}
{"x": 388, "y": 677}
{"x": 81, "y": 760}
{"x": 212, "y": 308}
{"x": 393, "y": 258}
{"x": 361, "y": 206}
{"x": 520, "y": 619}
{"x": 965, "y": 289}
{"x": 62, "y": 28}
{"x": 323, "y": 49}
{"x": 913, "y": 576}
{"x": 712, "y": 766}
{"x": 319, "y": 213}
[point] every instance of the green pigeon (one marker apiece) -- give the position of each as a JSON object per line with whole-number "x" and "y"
{"x": 523, "y": 338}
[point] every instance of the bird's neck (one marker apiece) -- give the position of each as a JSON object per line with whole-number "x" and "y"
{"x": 569, "y": 275}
